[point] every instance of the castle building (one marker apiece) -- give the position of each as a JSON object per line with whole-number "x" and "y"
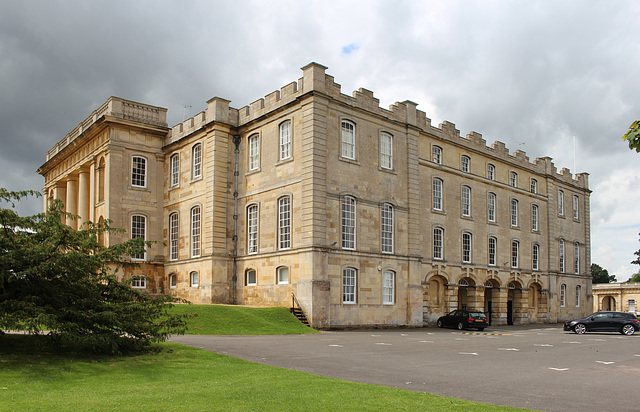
{"x": 366, "y": 216}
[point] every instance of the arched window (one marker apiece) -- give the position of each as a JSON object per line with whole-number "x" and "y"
{"x": 466, "y": 247}
{"x": 493, "y": 249}
{"x": 349, "y": 286}
{"x": 466, "y": 201}
{"x": 174, "y": 164}
{"x": 491, "y": 207}
{"x": 194, "y": 279}
{"x": 535, "y": 257}
{"x": 254, "y": 152}
{"x": 513, "y": 179}
{"x": 561, "y": 256}
{"x": 285, "y": 140}
{"x": 576, "y": 258}
{"x": 284, "y": 222}
{"x": 195, "y": 231}
{"x": 465, "y": 164}
{"x": 348, "y": 140}
{"x": 576, "y": 204}
{"x": 388, "y": 287}
{"x": 386, "y": 226}
{"x": 438, "y": 243}
{"x": 386, "y": 151}
{"x": 563, "y": 295}
{"x": 282, "y": 275}
{"x": 437, "y": 194}
{"x": 560, "y": 202}
{"x": 514, "y": 213}
{"x": 534, "y": 186}
{"x": 534, "y": 217}
{"x": 250, "y": 276}
{"x": 173, "y": 236}
{"x": 252, "y": 229}
{"x": 173, "y": 281}
{"x": 491, "y": 171}
{"x": 515, "y": 254}
{"x": 436, "y": 154}
{"x": 196, "y": 165}
{"x": 138, "y": 230}
{"x": 348, "y": 222}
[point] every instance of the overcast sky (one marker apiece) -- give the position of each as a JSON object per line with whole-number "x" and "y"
{"x": 532, "y": 74}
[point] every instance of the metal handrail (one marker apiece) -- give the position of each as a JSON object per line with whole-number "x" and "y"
{"x": 294, "y": 301}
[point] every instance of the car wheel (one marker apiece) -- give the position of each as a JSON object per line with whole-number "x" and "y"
{"x": 580, "y": 328}
{"x": 628, "y": 330}
{"x": 440, "y": 323}
{"x": 480, "y": 329}
{"x": 460, "y": 325}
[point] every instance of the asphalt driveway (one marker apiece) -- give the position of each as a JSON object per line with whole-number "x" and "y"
{"x": 537, "y": 367}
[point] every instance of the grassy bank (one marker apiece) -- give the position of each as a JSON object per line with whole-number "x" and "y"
{"x": 183, "y": 378}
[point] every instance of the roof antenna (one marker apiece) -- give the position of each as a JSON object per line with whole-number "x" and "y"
{"x": 184, "y": 111}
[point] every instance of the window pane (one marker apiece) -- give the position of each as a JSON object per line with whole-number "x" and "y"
{"x": 492, "y": 251}
{"x": 348, "y": 140}
{"x": 515, "y": 249}
{"x": 514, "y": 212}
{"x": 349, "y": 285}
{"x": 387, "y": 228}
{"x": 575, "y": 207}
{"x": 193, "y": 279}
{"x": 283, "y": 275}
{"x": 437, "y": 243}
{"x": 254, "y": 152}
{"x": 348, "y": 223}
{"x": 513, "y": 179}
{"x": 139, "y": 171}
{"x": 466, "y": 247}
{"x": 465, "y": 162}
{"x": 285, "y": 140}
{"x": 284, "y": 223}
{"x": 534, "y": 257}
{"x": 251, "y": 277}
{"x": 388, "y": 282}
{"x": 252, "y": 229}
{"x": 466, "y": 201}
{"x": 560, "y": 202}
{"x": 534, "y": 217}
{"x": 386, "y": 151}
{"x": 436, "y": 154}
{"x": 175, "y": 170}
{"x": 195, "y": 231}
{"x": 138, "y": 229}
{"x": 491, "y": 207}
{"x": 173, "y": 236}
{"x": 491, "y": 172}
{"x": 437, "y": 194}
{"x": 561, "y": 255}
{"x": 197, "y": 161}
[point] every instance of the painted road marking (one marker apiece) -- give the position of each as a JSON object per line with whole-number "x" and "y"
{"x": 468, "y": 353}
{"x": 376, "y": 335}
{"x": 382, "y": 343}
{"x": 559, "y": 369}
{"x": 486, "y": 333}
{"x": 403, "y": 334}
{"x": 425, "y": 341}
{"x": 336, "y": 346}
{"x": 543, "y": 344}
{"x": 572, "y": 342}
{"x": 511, "y": 349}
{"x": 598, "y": 340}
{"x": 604, "y": 363}
{"x": 461, "y": 339}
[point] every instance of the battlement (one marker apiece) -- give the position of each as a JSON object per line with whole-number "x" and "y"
{"x": 119, "y": 108}
{"x": 316, "y": 80}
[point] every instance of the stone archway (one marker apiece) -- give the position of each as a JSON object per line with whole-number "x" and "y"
{"x": 608, "y": 303}
{"x": 515, "y": 302}
{"x": 491, "y": 299}
{"x": 467, "y": 294}
{"x": 435, "y": 297}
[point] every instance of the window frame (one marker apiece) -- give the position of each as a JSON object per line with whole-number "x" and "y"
{"x": 576, "y": 258}
{"x": 253, "y": 224}
{"x": 388, "y": 287}
{"x": 348, "y": 219}
{"x": 285, "y": 141}
{"x": 563, "y": 295}
{"x": 535, "y": 257}
{"x": 139, "y": 282}
{"x": 491, "y": 207}
{"x": 467, "y": 246}
{"x": 347, "y": 139}
{"x": 173, "y": 281}
{"x": 465, "y": 198}
{"x": 515, "y": 254}
{"x": 138, "y": 173}
{"x": 135, "y": 233}
{"x": 465, "y": 164}
{"x": 576, "y": 207}
{"x": 174, "y": 165}
{"x": 578, "y": 295}
{"x": 492, "y": 250}
{"x": 491, "y": 171}
{"x": 246, "y": 277}
{"x": 437, "y": 194}
{"x": 196, "y": 161}
{"x": 253, "y": 152}
{"x": 560, "y": 202}
{"x": 513, "y": 179}
{"x": 284, "y": 222}
{"x": 194, "y": 279}
{"x": 349, "y": 289}
{"x": 280, "y": 279}
{"x": 436, "y": 154}
{"x": 438, "y": 243}
{"x": 514, "y": 212}
{"x": 386, "y": 150}
{"x": 174, "y": 236}
{"x": 534, "y": 186}
{"x": 561, "y": 256}
{"x": 534, "y": 218}
{"x": 387, "y": 225}
{"x": 195, "y": 231}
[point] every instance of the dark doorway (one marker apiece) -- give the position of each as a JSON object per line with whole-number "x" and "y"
{"x": 509, "y": 312}
{"x": 489, "y": 311}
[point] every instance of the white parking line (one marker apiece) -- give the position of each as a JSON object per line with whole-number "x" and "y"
{"x": 336, "y": 346}
{"x": 571, "y": 342}
{"x": 598, "y": 340}
{"x": 425, "y": 341}
{"x": 382, "y": 343}
{"x": 559, "y": 369}
{"x": 511, "y": 349}
{"x": 542, "y": 344}
{"x": 404, "y": 334}
{"x": 461, "y": 339}
{"x": 376, "y": 335}
{"x": 604, "y": 363}
{"x": 468, "y": 353}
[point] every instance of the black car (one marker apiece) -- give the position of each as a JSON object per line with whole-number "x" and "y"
{"x": 625, "y": 323}
{"x": 464, "y": 319}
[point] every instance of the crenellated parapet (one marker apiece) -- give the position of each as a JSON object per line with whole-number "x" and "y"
{"x": 117, "y": 108}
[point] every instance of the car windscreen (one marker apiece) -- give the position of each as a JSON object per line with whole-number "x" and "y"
{"x": 477, "y": 315}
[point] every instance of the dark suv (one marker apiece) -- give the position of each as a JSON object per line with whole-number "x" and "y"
{"x": 463, "y": 319}
{"x": 625, "y": 323}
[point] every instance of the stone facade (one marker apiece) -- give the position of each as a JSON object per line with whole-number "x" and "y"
{"x": 368, "y": 216}
{"x": 624, "y": 297}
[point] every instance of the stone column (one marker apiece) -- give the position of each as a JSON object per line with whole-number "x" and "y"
{"x": 71, "y": 205}
{"x": 83, "y": 197}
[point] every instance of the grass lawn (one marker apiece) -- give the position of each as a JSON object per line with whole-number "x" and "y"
{"x": 241, "y": 320}
{"x": 184, "y": 378}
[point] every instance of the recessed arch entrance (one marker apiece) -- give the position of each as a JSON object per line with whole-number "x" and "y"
{"x": 491, "y": 292}
{"x": 466, "y": 293}
{"x": 515, "y": 303}
{"x": 435, "y": 296}
{"x": 608, "y": 303}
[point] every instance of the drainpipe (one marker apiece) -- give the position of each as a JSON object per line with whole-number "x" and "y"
{"x": 236, "y": 142}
